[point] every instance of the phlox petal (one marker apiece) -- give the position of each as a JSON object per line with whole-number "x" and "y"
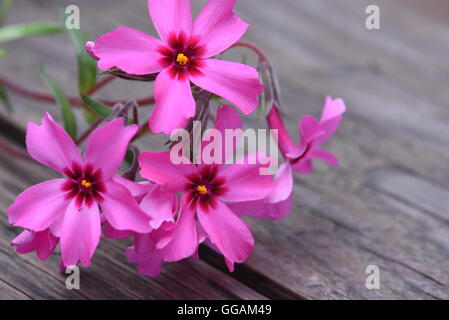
{"x": 244, "y": 181}
{"x": 227, "y": 232}
{"x": 80, "y": 234}
{"x": 38, "y": 206}
{"x": 107, "y": 145}
{"x": 148, "y": 260}
{"x": 50, "y": 145}
{"x": 174, "y": 103}
{"x": 236, "y": 82}
{"x": 181, "y": 242}
{"x": 171, "y": 16}
{"x": 129, "y": 50}
{"x": 122, "y": 211}
{"x": 218, "y": 27}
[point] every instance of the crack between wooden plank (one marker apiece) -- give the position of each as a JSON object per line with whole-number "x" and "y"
{"x": 382, "y": 256}
{"x": 15, "y": 288}
{"x": 146, "y": 280}
{"x": 407, "y": 202}
{"x": 418, "y": 175}
{"x": 251, "y": 278}
{"x": 227, "y": 292}
{"x": 423, "y": 291}
{"x": 322, "y": 262}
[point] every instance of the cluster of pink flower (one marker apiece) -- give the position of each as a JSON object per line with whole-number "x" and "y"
{"x": 178, "y": 206}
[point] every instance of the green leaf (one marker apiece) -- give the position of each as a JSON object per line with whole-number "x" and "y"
{"x": 87, "y": 66}
{"x": 2, "y": 53}
{"x": 5, "y": 99}
{"x": 24, "y": 30}
{"x": 68, "y": 116}
{"x": 101, "y": 109}
{"x": 5, "y": 6}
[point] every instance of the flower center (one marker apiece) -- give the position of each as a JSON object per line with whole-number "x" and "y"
{"x": 306, "y": 152}
{"x": 181, "y": 59}
{"x": 86, "y": 184}
{"x": 205, "y": 187}
{"x": 202, "y": 190}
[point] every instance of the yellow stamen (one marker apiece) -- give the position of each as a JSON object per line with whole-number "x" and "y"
{"x": 181, "y": 59}
{"x": 202, "y": 190}
{"x": 86, "y": 184}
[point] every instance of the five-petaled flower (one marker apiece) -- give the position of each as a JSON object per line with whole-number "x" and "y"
{"x": 183, "y": 55}
{"x": 205, "y": 191}
{"x": 43, "y": 242}
{"x": 312, "y": 135}
{"x": 72, "y": 208}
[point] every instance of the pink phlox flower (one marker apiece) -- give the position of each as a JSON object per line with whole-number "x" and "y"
{"x": 206, "y": 191}
{"x": 73, "y": 207}
{"x": 181, "y": 56}
{"x": 298, "y": 158}
{"x": 43, "y": 242}
{"x": 313, "y": 134}
{"x": 144, "y": 253}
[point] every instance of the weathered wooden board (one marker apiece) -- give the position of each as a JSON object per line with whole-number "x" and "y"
{"x": 385, "y": 205}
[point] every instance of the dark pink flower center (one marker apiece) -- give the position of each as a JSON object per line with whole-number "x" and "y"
{"x": 305, "y": 153}
{"x": 84, "y": 184}
{"x": 182, "y": 55}
{"x": 204, "y": 187}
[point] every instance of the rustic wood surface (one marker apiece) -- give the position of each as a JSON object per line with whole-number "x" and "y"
{"x": 385, "y": 205}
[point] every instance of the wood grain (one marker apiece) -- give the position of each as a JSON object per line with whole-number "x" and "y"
{"x": 386, "y": 204}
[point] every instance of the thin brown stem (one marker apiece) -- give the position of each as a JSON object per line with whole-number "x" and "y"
{"x": 73, "y": 100}
{"x": 100, "y": 85}
{"x": 25, "y": 92}
{"x": 262, "y": 56}
{"x": 89, "y": 131}
{"x": 143, "y": 129}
